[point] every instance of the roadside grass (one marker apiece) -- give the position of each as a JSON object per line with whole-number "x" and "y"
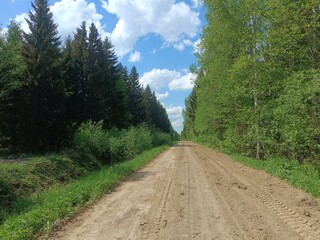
{"x": 305, "y": 176}
{"x": 19, "y": 180}
{"x": 42, "y": 211}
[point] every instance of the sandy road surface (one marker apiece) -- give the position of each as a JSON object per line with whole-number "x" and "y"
{"x": 191, "y": 192}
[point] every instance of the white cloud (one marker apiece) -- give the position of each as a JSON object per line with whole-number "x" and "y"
{"x": 197, "y": 3}
{"x": 174, "y": 112}
{"x": 185, "y": 82}
{"x": 21, "y": 19}
{"x": 175, "y": 116}
{"x": 164, "y": 78}
{"x": 161, "y": 96}
{"x": 172, "y": 21}
{"x": 69, "y": 14}
{"x": 180, "y": 46}
{"x": 135, "y": 57}
{"x": 158, "y": 78}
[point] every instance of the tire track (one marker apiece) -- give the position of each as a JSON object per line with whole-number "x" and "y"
{"x": 154, "y": 222}
{"x": 225, "y": 204}
{"x": 291, "y": 217}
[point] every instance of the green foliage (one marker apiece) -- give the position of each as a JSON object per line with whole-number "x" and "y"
{"x": 12, "y": 87}
{"x": 257, "y": 83}
{"x": 44, "y": 111}
{"x": 136, "y": 141}
{"x": 43, "y": 211}
{"x": 93, "y": 143}
{"x": 47, "y": 90}
{"x": 298, "y": 114}
{"x": 19, "y": 180}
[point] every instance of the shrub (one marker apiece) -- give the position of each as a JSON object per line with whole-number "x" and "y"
{"x": 91, "y": 142}
{"x": 160, "y": 138}
{"x": 137, "y": 140}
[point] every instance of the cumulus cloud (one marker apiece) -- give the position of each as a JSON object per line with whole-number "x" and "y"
{"x": 165, "y": 78}
{"x": 172, "y": 21}
{"x": 175, "y": 116}
{"x": 158, "y": 78}
{"x": 161, "y": 96}
{"x": 21, "y": 19}
{"x": 185, "y": 82}
{"x": 174, "y": 111}
{"x": 69, "y": 14}
{"x": 180, "y": 46}
{"x": 135, "y": 57}
{"x": 197, "y": 3}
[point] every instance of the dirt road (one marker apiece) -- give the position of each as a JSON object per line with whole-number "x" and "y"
{"x": 191, "y": 192}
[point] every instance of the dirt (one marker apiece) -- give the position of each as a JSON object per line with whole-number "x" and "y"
{"x": 191, "y": 192}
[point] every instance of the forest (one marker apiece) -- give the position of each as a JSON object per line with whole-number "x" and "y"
{"x": 50, "y": 86}
{"x": 257, "y": 90}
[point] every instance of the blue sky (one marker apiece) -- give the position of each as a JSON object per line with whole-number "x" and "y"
{"x": 159, "y": 37}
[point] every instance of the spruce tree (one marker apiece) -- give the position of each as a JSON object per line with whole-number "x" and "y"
{"x": 135, "y": 95}
{"x": 96, "y": 76}
{"x": 12, "y": 86}
{"x": 78, "y": 83}
{"x": 41, "y": 55}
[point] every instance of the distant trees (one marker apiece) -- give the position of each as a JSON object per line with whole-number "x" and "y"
{"x": 260, "y": 59}
{"x": 47, "y": 90}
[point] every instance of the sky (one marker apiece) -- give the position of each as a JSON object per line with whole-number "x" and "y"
{"x": 158, "y": 37}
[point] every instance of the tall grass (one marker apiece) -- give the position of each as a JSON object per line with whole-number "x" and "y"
{"x": 44, "y": 210}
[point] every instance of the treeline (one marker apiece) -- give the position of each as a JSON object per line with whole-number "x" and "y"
{"x": 258, "y": 86}
{"x": 48, "y": 88}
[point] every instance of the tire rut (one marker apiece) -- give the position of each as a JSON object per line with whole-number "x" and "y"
{"x": 191, "y": 192}
{"x": 291, "y": 217}
{"x": 154, "y": 221}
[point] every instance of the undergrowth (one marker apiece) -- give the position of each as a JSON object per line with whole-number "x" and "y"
{"x": 42, "y": 211}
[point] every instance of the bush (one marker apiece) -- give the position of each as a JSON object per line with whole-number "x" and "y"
{"x": 137, "y": 140}
{"x": 160, "y": 138}
{"x": 91, "y": 142}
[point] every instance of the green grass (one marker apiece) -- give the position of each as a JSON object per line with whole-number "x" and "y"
{"x": 45, "y": 210}
{"x": 20, "y": 179}
{"x": 305, "y": 176}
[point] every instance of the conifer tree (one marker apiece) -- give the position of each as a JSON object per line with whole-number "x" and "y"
{"x": 41, "y": 55}
{"x": 96, "y": 76}
{"x": 12, "y": 92}
{"x": 78, "y": 83}
{"x": 135, "y": 95}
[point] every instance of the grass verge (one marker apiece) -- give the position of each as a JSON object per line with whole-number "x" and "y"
{"x": 305, "y": 176}
{"x": 43, "y": 211}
